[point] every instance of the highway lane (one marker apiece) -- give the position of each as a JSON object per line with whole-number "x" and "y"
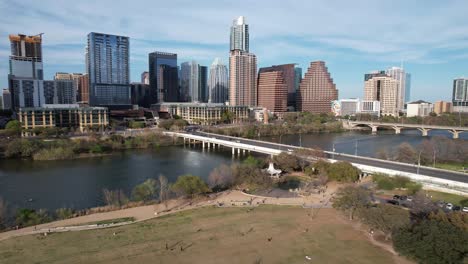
{"x": 448, "y": 175}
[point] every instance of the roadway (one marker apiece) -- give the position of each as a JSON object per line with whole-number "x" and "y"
{"x": 403, "y": 167}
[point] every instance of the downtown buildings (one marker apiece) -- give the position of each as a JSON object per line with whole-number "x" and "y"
{"x": 242, "y": 66}
{"x": 218, "y": 82}
{"x": 109, "y": 70}
{"x": 317, "y": 90}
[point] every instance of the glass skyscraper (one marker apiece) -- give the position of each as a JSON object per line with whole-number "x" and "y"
{"x": 239, "y": 35}
{"x": 163, "y": 77}
{"x": 109, "y": 71}
{"x": 218, "y": 82}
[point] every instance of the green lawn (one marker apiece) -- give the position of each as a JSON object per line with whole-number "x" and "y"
{"x": 111, "y": 221}
{"x": 267, "y": 234}
{"x": 451, "y": 166}
{"x": 448, "y": 197}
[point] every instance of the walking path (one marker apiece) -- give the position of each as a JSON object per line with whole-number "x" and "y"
{"x": 142, "y": 213}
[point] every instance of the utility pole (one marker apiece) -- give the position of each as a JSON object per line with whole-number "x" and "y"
{"x": 419, "y": 161}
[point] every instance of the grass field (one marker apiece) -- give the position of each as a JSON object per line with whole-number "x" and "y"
{"x": 448, "y": 197}
{"x": 208, "y": 235}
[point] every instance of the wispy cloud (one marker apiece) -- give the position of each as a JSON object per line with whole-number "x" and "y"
{"x": 365, "y": 31}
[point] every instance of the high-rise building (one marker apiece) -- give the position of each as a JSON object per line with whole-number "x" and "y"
{"x": 145, "y": 77}
{"x": 75, "y": 78}
{"x": 242, "y": 78}
{"x": 83, "y": 89}
{"x": 65, "y": 90}
{"x": 109, "y": 70}
{"x": 203, "y": 83}
{"x": 25, "y": 78}
{"x": 218, "y": 82}
{"x": 404, "y": 85}
{"x": 140, "y": 94}
{"x": 383, "y": 88}
{"x": 239, "y": 35}
{"x": 189, "y": 83}
{"x": 460, "y": 95}
{"x": 272, "y": 90}
{"x": 163, "y": 77}
{"x": 289, "y": 76}
{"x": 50, "y": 92}
{"x": 317, "y": 90}
{"x": 6, "y": 99}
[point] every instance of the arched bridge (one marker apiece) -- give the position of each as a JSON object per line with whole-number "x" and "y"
{"x": 398, "y": 127}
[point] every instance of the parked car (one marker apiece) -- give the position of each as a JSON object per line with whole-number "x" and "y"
{"x": 449, "y": 206}
{"x": 394, "y": 202}
{"x": 409, "y": 198}
{"x": 403, "y": 197}
{"x": 465, "y": 209}
{"x": 456, "y": 208}
{"x": 396, "y": 197}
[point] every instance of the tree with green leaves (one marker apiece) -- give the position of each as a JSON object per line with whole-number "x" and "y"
{"x": 432, "y": 242}
{"x": 190, "y": 186}
{"x": 28, "y": 217}
{"x": 13, "y": 127}
{"x": 343, "y": 171}
{"x": 145, "y": 191}
{"x": 3, "y": 213}
{"x": 287, "y": 162}
{"x": 349, "y": 199}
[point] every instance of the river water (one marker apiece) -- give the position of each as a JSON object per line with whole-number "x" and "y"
{"x": 79, "y": 183}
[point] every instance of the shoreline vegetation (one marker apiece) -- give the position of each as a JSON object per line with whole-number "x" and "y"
{"x": 93, "y": 146}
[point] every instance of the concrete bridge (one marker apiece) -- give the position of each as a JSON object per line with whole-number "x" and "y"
{"x": 398, "y": 127}
{"x": 214, "y": 141}
{"x": 438, "y": 179}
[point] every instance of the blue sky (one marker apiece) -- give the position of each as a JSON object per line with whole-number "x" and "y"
{"x": 353, "y": 37}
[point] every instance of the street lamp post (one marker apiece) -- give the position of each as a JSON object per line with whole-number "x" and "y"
{"x": 280, "y": 141}
{"x": 333, "y": 150}
{"x": 300, "y": 140}
{"x": 434, "y": 156}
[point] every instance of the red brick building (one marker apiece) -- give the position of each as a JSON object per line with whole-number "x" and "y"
{"x": 317, "y": 90}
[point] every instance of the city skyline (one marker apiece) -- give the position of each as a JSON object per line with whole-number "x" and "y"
{"x": 434, "y": 60}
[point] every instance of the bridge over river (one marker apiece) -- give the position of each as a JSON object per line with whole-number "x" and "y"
{"x": 436, "y": 178}
{"x": 399, "y": 126}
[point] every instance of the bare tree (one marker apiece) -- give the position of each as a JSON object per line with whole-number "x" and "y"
{"x": 163, "y": 189}
{"x": 221, "y": 177}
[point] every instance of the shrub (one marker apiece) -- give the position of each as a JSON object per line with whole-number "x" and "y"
{"x": 96, "y": 149}
{"x": 59, "y": 153}
{"x": 189, "y": 186}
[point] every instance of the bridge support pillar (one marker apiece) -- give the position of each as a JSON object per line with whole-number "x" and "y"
{"x": 203, "y": 144}
{"x": 233, "y": 152}
{"x": 243, "y": 152}
{"x": 424, "y": 131}
{"x": 238, "y": 152}
{"x": 374, "y": 129}
{"x": 397, "y": 130}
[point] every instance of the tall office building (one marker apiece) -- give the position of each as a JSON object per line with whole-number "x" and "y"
{"x": 25, "y": 78}
{"x": 6, "y": 98}
{"x": 317, "y": 90}
{"x": 145, "y": 77}
{"x": 50, "y": 92}
{"x": 76, "y": 82}
{"x": 383, "y": 88}
{"x": 189, "y": 82}
{"x": 297, "y": 82}
{"x": 404, "y": 85}
{"x": 65, "y": 91}
{"x": 242, "y": 78}
{"x": 218, "y": 82}
{"x": 460, "y": 95}
{"x": 289, "y": 76}
{"x": 272, "y": 90}
{"x": 83, "y": 89}
{"x": 109, "y": 70}
{"x": 239, "y": 35}
{"x": 163, "y": 77}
